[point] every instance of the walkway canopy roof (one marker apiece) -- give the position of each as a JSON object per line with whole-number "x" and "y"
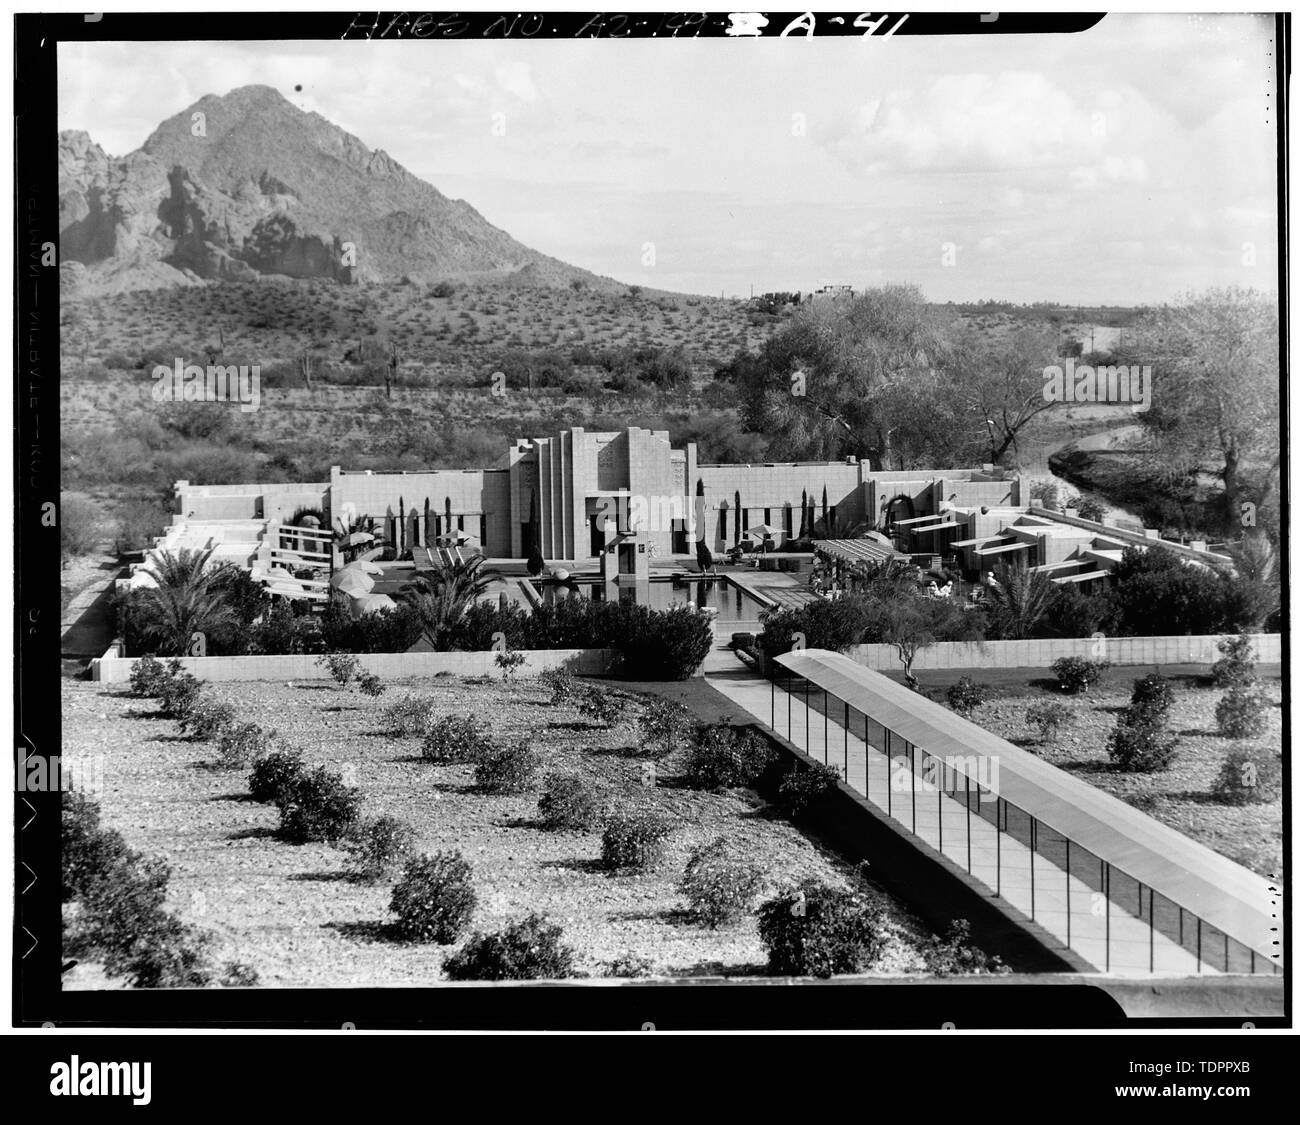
{"x": 856, "y": 550}
{"x": 1223, "y": 893}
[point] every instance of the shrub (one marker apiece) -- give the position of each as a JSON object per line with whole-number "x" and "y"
{"x": 241, "y": 743}
{"x": 1075, "y": 673}
{"x": 79, "y": 526}
{"x": 369, "y": 683}
{"x": 236, "y": 974}
{"x": 1238, "y": 663}
{"x": 206, "y": 719}
{"x": 564, "y": 685}
{"x": 953, "y": 954}
{"x": 379, "y": 846}
{"x": 601, "y": 706}
{"x": 570, "y": 803}
{"x": 342, "y": 666}
{"x": 530, "y": 949}
{"x": 1243, "y": 711}
{"x": 506, "y": 769}
{"x": 661, "y": 644}
{"x": 121, "y": 917}
{"x": 718, "y": 884}
{"x": 317, "y": 805}
{"x": 179, "y": 693}
{"x": 1153, "y": 697}
{"x": 630, "y": 965}
{"x": 634, "y": 839}
{"x": 966, "y": 695}
{"x": 802, "y": 786}
{"x": 273, "y": 774}
{"x": 149, "y": 677}
{"x": 434, "y": 900}
{"x": 724, "y": 756}
{"x": 662, "y": 723}
{"x": 1049, "y": 717}
{"x": 409, "y": 715}
{"x": 1139, "y": 745}
{"x": 139, "y": 523}
{"x": 89, "y": 851}
{"x": 510, "y": 663}
{"x": 1250, "y": 775}
{"x": 454, "y": 739}
{"x": 819, "y": 931}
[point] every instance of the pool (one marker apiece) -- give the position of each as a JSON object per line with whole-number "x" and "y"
{"x": 732, "y": 603}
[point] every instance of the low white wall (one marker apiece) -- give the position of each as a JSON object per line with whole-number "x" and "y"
{"x": 113, "y": 669}
{"x": 1042, "y": 654}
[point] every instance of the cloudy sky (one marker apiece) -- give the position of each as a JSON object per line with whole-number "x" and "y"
{"x": 1126, "y": 164}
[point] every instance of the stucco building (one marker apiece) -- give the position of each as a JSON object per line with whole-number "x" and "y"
{"x": 578, "y": 488}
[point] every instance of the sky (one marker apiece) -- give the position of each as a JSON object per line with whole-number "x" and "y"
{"x": 1124, "y": 165}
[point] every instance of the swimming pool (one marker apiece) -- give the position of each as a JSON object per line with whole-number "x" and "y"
{"x": 732, "y": 603}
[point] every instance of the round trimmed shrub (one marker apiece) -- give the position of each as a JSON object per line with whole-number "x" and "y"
{"x": 570, "y": 803}
{"x": 1140, "y": 746}
{"x": 1075, "y": 673}
{"x": 634, "y": 839}
{"x": 803, "y": 785}
{"x": 506, "y": 769}
{"x": 1250, "y": 775}
{"x": 273, "y": 773}
{"x": 818, "y": 931}
{"x": 380, "y": 846}
{"x": 434, "y": 900}
{"x": 179, "y": 693}
{"x": 1237, "y": 667}
{"x": 454, "y": 739}
{"x": 724, "y": 756}
{"x": 318, "y": 806}
{"x": 530, "y": 949}
{"x": 719, "y": 884}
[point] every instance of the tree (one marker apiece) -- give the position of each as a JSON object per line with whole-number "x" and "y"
{"x": 910, "y": 623}
{"x": 187, "y": 597}
{"x": 846, "y": 377}
{"x": 1001, "y": 391}
{"x": 1018, "y": 601}
{"x": 1215, "y": 395}
{"x": 803, "y": 515}
{"x": 536, "y": 563}
{"x": 1256, "y": 576}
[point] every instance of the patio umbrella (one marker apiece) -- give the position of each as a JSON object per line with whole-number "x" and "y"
{"x": 359, "y": 537}
{"x": 761, "y": 530}
{"x": 309, "y": 521}
{"x": 371, "y": 603}
{"x": 352, "y": 582}
{"x": 364, "y": 567}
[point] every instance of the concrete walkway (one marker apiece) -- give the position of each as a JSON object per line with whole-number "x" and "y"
{"x": 1067, "y": 908}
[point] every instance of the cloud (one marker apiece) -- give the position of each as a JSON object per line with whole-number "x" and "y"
{"x": 965, "y": 123}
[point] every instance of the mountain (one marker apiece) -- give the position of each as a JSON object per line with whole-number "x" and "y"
{"x": 247, "y": 184}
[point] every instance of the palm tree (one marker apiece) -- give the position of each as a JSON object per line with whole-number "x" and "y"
{"x": 463, "y": 580}
{"x": 1019, "y": 600}
{"x": 439, "y": 610}
{"x": 188, "y": 597}
{"x": 1255, "y": 566}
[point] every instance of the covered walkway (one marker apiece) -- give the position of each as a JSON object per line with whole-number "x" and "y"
{"x": 1129, "y": 895}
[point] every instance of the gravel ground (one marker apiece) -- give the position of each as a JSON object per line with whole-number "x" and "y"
{"x": 288, "y": 911}
{"x": 1181, "y": 796}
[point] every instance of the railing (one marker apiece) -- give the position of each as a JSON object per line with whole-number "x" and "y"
{"x": 1109, "y": 918}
